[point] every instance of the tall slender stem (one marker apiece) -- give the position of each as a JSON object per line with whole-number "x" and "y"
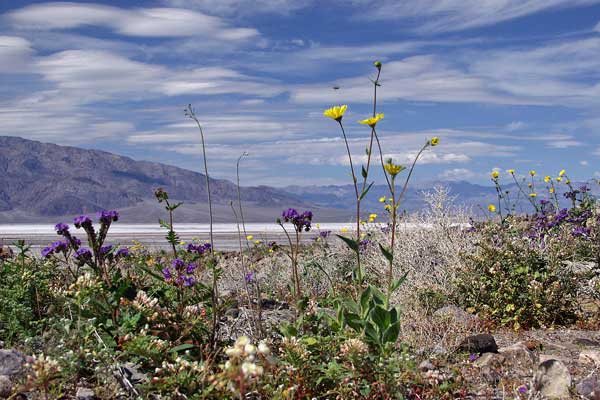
{"x": 239, "y": 194}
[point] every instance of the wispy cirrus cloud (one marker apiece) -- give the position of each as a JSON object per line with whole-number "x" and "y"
{"x": 433, "y": 16}
{"x": 137, "y": 22}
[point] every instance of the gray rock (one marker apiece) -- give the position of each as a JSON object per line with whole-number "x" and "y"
{"x": 481, "y": 343}
{"x": 426, "y": 365}
{"x": 85, "y": 394}
{"x": 11, "y": 362}
{"x": 589, "y": 356}
{"x": 519, "y": 357}
{"x": 6, "y": 386}
{"x": 133, "y": 374}
{"x": 552, "y": 380}
{"x": 588, "y": 388}
{"x": 492, "y": 360}
{"x": 586, "y": 342}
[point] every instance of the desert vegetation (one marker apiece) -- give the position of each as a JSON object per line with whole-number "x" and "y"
{"x": 402, "y": 306}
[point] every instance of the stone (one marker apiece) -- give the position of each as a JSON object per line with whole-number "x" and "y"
{"x": 588, "y": 388}
{"x": 586, "y": 342}
{"x": 11, "y": 362}
{"x": 493, "y": 360}
{"x": 6, "y": 387}
{"x": 519, "y": 356}
{"x": 232, "y": 313}
{"x": 456, "y": 314}
{"x": 552, "y": 380}
{"x": 480, "y": 343}
{"x": 5, "y": 253}
{"x": 589, "y": 356}
{"x": 426, "y": 365}
{"x": 133, "y": 374}
{"x": 85, "y": 394}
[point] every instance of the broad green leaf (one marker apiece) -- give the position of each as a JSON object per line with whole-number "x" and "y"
{"x": 353, "y": 244}
{"x": 391, "y": 334}
{"x": 381, "y": 317}
{"x": 387, "y": 253}
{"x": 365, "y": 191}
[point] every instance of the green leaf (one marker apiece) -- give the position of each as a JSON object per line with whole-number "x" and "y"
{"x": 371, "y": 333}
{"x": 363, "y": 171}
{"x": 354, "y": 321}
{"x": 365, "y": 191}
{"x": 387, "y": 253}
{"x": 181, "y": 347}
{"x": 378, "y": 295}
{"x": 364, "y": 299}
{"x": 396, "y": 284}
{"x": 391, "y": 334}
{"x": 381, "y": 317}
{"x": 353, "y": 244}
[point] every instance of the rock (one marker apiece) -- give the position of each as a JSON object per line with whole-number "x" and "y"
{"x": 588, "y": 388}
{"x": 6, "y": 386}
{"x": 456, "y": 314}
{"x": 133, "y": 374}
{"x": 546, "y": 357}
{"x": 490, "y": 375}
{"x": 492, "y": 360}
{"x": 519, "y": 357}
{"x": 481, "y": 343}
{"x": 5, "y": 253}
{"x": 11, "y": 362}
{"x": 586, "y": 342}
{"x": 232, "y": 313}
{"x": 552, "y": 380}
{"x": 85, "y": 394}
{"x": 589, "y": 356}
{"x": 426, "y": 365}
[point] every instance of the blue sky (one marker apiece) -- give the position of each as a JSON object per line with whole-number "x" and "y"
{"x": 503, "y": 83}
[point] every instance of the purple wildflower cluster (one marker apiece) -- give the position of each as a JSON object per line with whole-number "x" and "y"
{"x": 199, "y": 249}
{"x": 106, "y": 217}
{"x": 546, "y": 220}
{"x": 60, "y": 246}
{"x": 301, "y": 222}
{"x": 180, "y": 273}
{"x": 364, "y": 244}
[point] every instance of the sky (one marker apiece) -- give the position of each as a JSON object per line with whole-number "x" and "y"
{"x": 503, "y": 83}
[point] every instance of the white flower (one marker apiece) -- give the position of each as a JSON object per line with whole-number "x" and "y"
{"x": 263, "y": 348}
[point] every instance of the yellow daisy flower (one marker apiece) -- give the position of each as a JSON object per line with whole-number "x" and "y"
{"x": 434, "y": 141}
{"x": 372, "y": 121}
{"x": 491, "y": 208}
{"x": 336, "y": 112}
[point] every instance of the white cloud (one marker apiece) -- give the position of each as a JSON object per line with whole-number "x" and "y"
{"x": 141, "y": 22}
{"x": 242, "y": 7}
{"x": 431, "y": 16}
{"x": 515, "y": 126}
{"x": 15, "y": 53}
{"x": 458, "y": 174}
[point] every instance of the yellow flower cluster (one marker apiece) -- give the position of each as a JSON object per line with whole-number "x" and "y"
{"x": 372, "y": 217}
{"x": 393, "y": 169}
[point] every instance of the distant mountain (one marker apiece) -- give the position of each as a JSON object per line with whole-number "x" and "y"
{"x": 39, "y": 181}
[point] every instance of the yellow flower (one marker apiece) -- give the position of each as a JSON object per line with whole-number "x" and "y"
{"x": 182, "y": 243}
{"x": 532, "y": 195}
{"x": 318, "y": 226}
{"x": 558, "y": 179}
{"x": 271, "y": 251}
{"x": 372, "y": 217}
{"x": 249, "y": 237}
{"x": 382, "y": 199}
{"x": 434, "y": 141}
{"x": 495, "y": 174}
{"x": 257, "y": 241}
{"x": 336, "y": 112}
{"x": 532, "y": 173}
{"x": 344, "y": 230}
{"x": 372, "y": 121}
{"x": 547, "y": 179}
{"x": 562, "y": 172}
{"x": 393, "y": 169}
{"x": 388, "y": 207}
{"x": 568, "y": 181}
{"x": 529, "y": 185}
{"x": 363, "y": 235}
{"x": 551, "y": 190}
{"x": 491, "y": 208}
{"x": 511, "y": 171}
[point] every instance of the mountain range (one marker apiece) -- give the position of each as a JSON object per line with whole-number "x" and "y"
{"x": 41, "y": 182}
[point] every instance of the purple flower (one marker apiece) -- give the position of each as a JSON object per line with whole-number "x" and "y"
{"x": 46, "y": 251}
{"x": 200, "y": 249}
{"x": 522, "y": 389}
{"x": 190, "y": 268}
{"x": 324, "y": 234}
{"x": 61, "y": 228}
{"x": 189, "y": 281}
{"x": 167, "y": 274}
{"x": 581, "y": 231}
{"x": 106, "y": 217}
{"x": 83, "y": 253}
{"x": 105, "y": 249}
{"x": 122, "y": 252}
{"x": 301, "y": 222}
{"x": 249, "y": 277}
{"x": 82, "y": 220}
{"x": 473, "y": 357}
{"x": 178, "y": 264}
